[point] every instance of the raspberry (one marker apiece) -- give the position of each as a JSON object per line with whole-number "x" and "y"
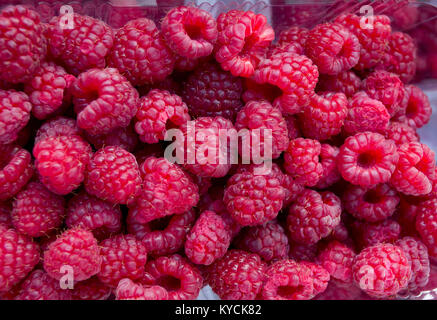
{"x": 381, "y": 271}
{"x": 418, "y": 108}
{"x": 328, "y": 159}
{"x": 209, "y": 91}
{"x": 140, "y": 53}
{"x": 269, "y": 241}
{"x": 319, "y": 275}
{"x": 300, "y": 252}
{"x": 91, "y": 289}
{"x": 401, "y": 133}
{"x": 123, "y": 256}
{"x": 371, "y": 204}
{"x": 219, "y": 207}
{"x": 366, "y": 114}
{"x": 103, "y": 100}
{"x": 166, "y": 190}
{"x": 113, "y": 175}
{"x": 21, "y": 42}
{"x": 313, "y": 216}
{"x": 339, "y": 290}
{"x": 262, "y": 120}
{"x": 417, "y": 255}
{"x": 125, "y": 138}
{"x": 293, "y": 34}
{"x": 15, "y": 170}
{"x": 82, "y": 47}
{"x": 387, "y": 88}
{"x": 15, "y": 110}
{"x": 242, "y": 42}
{"x": 406, "y": 216}
{"x": 57, "y": 127}
{"x": 367, "y": 159}
{"x": 292, "y": 79}
{"x": 256, "y": 91}
{"x": 181, "y": 279}
{"x": 426, "y": 225}
{"x": 369, "y": 234}
{"x": 128, "y": 290}
{"x": 19, "y": 257}
{"x": 337, "y": 258}
{"x": 333, "y": 48}
{"x": 5, "y": 214}
{"x": 40, "y": 286}
{"x": 36, "y": 211}
{"x": 415, "y": 170}
{"x": 237, "y": 276}
{"x": 77, "y": 249}
{"x": 91, "y": 213}
{"x": 346, "y": 82}
{"x": 158, "y": 111}
{"x": 373, "y": 40}
{"x": 293, "y": 127}
{"x": 302, "y": 161}
{"x": 253, "y": 197}
{"x": 184, "y": 64}
{"x": 324, "y": 116}
{"x": 290, "y": 47}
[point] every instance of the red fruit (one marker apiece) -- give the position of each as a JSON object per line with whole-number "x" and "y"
{"x": 346, "y": 82}
{"x": 328, "y": 159}
{"x": 368, "y": 234}
{"x": 125, "y": 138}
{"x": 426, "y": 225}
{"x": 401, "y": 133}
{"x": 337, "y": 259}
{"x": 57, "y": 127}
{"x": 128, "y": 290}
{"x": 319, "y": 275}
{"x": 40, "y": 286}
{"x": 91, "y": 289}
{"x": 293, "y": 34}
{"x": 418, "y": 108}
{"x": 5, "y": 214}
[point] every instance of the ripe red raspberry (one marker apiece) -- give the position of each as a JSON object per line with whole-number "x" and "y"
{"x": 113, "y": 175}
{"x": 190, "y": 32}
{"x": 368, "y": 234}
{"x": 91, "y": 213}
{"x": 19, "y": 255}
{"x": 366, "y": 114}
{"x": 373, "y": 40}
{"x": 406, "y": 215}
{"x": 125, "y": 138}
{"x": 237, "y": 276}
{"x": 219, "y": 207}
{"x": 367, "y": 159}
{"x": 324, "y": 116}
{"x": 210, "y": 91}
{"x": 301, "y": 252}
{"x": 79, "y": 42}
{"x": 77, "y": 249}
{"x": 319, "y": 275}
{"x": 15, "y": 110}
{"x": 57, "y": 127}
{"x": 21, "y": 42}
{"x": 313, "y": 216}
{"x": 123, "y": 256}
{"x": 5, "y": 214}
{"x": 157, "y": 112}
{"x": 91, "y": 289}
{"x": 15, "y": 170}
{"x": 166, "y": 190}
{"x": 293, "y": 127}
{"x": 381, "y": 271}
{"x": 242, "y": 42}
{"x": 129, "y": 290}
{"x": 426, "y": 225}
{"x": 415, "y": 170}
{"x": 269, "y": 241}
{"x": 401, "y": 133}
{"x": 417, "y": 255}
{"x": 418, "y": 108}
{"x": 40, "y": 286}
{"x": 292, "y": 79}
{"x": 333, "y": 48}
{"x": 328, "y": 159}
{"x": 185, "y": 64}
{"x": 346, "y": 82}
{"x": 293, "y": 34}
{"x": 181, "y": 279}
{"x": 290, "y": 47}
{"x": 302, "y": 161}
{"x": 337, "y": 258}
{"x": 387, "y": 88}
{"x": 371, "y": 204}
{"x": 103, "y": 100}
{"x": 36, "y": 211}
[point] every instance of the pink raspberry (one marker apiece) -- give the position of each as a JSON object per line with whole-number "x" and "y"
{"x": 91, "y": 289}
{"x": 367, "y": 159}
{"x": 320, "y": 276}
{"x": 426, "y": 225}
{"x": 219, "y": 207}
{"x": 418, "y": 108}
{"x": 328, "y": 159}
{"x": 337, "y": 258}
{"x": 40, "y": 286}
{"x": 125, "y": 138}
{"x": 103, "y": 100}
{"x": 346, "y": 82}
{"x": 401, "y": 133}
{"x": 368, "y": 234}
{"x": 128, "y": 290}
{"x": 293, "y": 34}
{"x": 113, "y": 175}
{"x": 284, "y": 48}
{"x": 57, "y": 127}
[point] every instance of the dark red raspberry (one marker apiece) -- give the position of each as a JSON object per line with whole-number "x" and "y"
{"x": 184, "y": 64}
{"x": 40, "y": 286}
{"x": 15, "y": 170}
{"x": 204, "y": 183}
{"x": 91, "y": 289}
{"x": 255, "y": 91}
{"x": 19, "y": 257}
{"x": 238, "y": 275}
{"x": 373, "y": 40}
{"x": 242, "y": 42}
{"x": 337, "y": 258}
{"x": 381, "y": 271}
{"x": 36, "y": 211}
{"x": 171, "y": 84}
{"x": 418, "y": 108}
{"x": 91, "y": 213}
{"x": 313, "y": 216}
{"x": 103, "y": 100}
{"x": 293, "y": 127}
{"x": 292, "y": 79}
{"x": 346, "y": 82}
{"x": 301, "y": 252}
{"x": 406, "y": 215}
{"x": 426, "y": 225}
{"x": 339, "y": 290}
{"x": 125, "y": 138}
{"x": 22, "y": 43}
{"x": 209, "y": 91}
{"x": 113, "y": 175}
{"x": 415, "y": 170}
{"x": 5, "y": 214}
{"x": 401, "y": 133}
{"x": 157, "y": 112}
{"x": 129, "y": 290}
{"x": 166, "y": 190}
{"x": 79, "y": 42}
{"x": 369, "y": 234}
{"x": 181, "y": 279}
{"x": 367, "y": 159}
{"x": 293, "y": 34}
{"x": 302, "y": 161}
{"x": 328, "y": 159}
{"x": 15, "y": 110}
{"x": 371, "y": 204}
{"x": 319, "y": 275}
{"x": 57, "y": 127}
{"x": 76, "y": 249}
{"x": 123, "y": 256}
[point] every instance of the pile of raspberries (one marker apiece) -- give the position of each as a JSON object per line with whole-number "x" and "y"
{"x": 91, "y": 209}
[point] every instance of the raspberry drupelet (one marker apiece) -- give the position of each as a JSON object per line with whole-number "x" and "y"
{"x": 293, "y": 34}
{"x": 319, "y": 275}
{"x": 418, "y": 109}
{"x": 337, "y": 259}
{"x": 129, "y": 290}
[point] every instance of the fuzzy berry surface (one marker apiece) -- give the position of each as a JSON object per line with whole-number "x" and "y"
{"x": 418, "y": 109}
{"x": 57, "y": 127}
{"x": 129, "y": 290}
{"x": 337, "y": 259}
{"x": 40, "y": 286}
